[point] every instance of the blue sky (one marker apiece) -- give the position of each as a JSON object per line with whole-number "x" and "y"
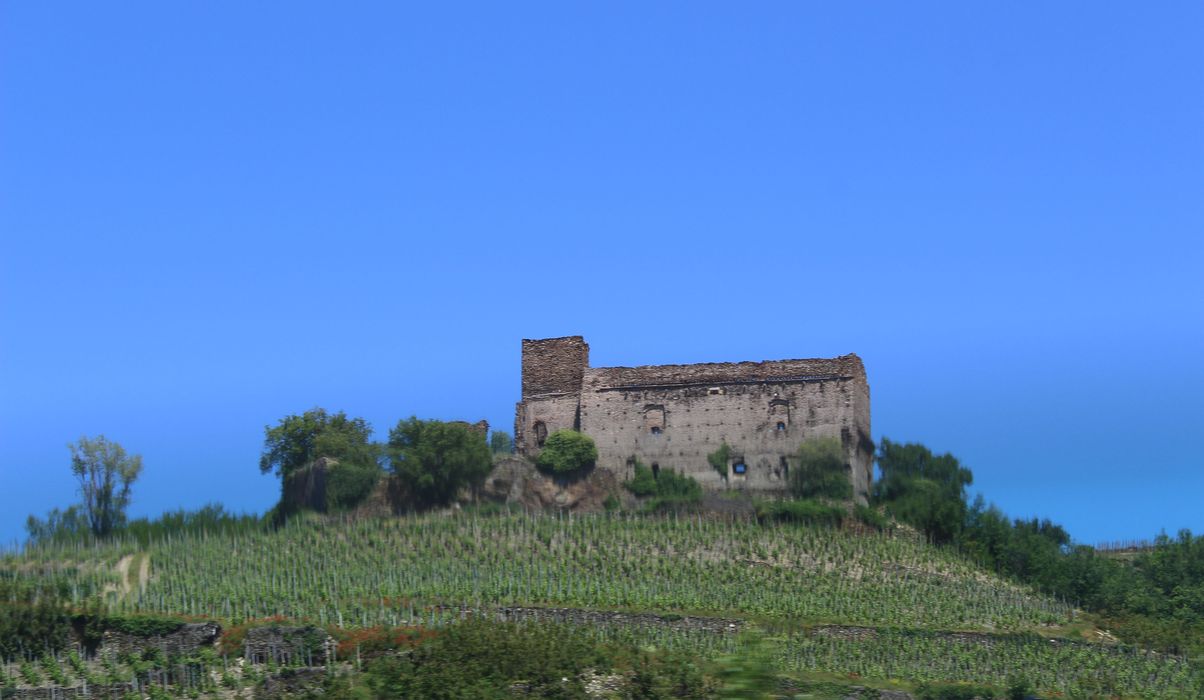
{"x": 216, "y": 214}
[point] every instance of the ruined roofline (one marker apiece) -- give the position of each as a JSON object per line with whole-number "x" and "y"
{"x": 550, "y": 340}
{"x": 718, "y": 373}
{"x": 803, "y": 379}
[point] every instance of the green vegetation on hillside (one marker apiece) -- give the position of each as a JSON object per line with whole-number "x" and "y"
{"x": 1156, "y": 600}
{"x": 921, "y": 608}
{"x": 370, "y": 572}
{"x": 480, "y": 659}
{"x": 821, "y": 471}
{"x": 33, "y": 615}
{"x": 296, "y": 441}
{"x": 423, "y": 569}
{"x": 435, "y": 460}
{"x": 567, "y": 452}
{"x": 666, "y": 490}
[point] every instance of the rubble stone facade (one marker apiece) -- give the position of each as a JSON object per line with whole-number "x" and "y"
{"x": 673, "y": 416}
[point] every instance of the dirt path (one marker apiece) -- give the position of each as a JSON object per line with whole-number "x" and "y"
{"x": 144, "y": 572}
{"x": 123, "y": 583}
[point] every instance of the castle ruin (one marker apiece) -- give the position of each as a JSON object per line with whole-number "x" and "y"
{"x": 673, "y": 416}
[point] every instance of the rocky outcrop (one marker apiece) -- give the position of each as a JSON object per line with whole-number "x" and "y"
{"x": 515, "y": 480}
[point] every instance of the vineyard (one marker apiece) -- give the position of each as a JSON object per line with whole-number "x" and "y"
{"x": 427, "y": 569}
{"x": 379, "y": 572}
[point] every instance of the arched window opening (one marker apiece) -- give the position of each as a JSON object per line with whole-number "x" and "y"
{"x": 541, "y": 433}
{"x": 784, "y": 465}
{"x": 656, "y": 430}
{"x": 656, "y": 470}
{"x": 781, "y": 427}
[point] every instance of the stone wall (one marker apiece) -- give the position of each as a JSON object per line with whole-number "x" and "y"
{"x": 481, "y": 427}
{"x": 535, "y": 419}
{"x": 552, "y": 370}
{"x": 763, "y": 423}
{"x": 595, "y": 618}
{"x": 306, "y": 487}
{"x": 554, "y": 365}
{"x": 187, "y": 640}
{"x": 310, "y": 646}
{"x": 673, "y": 416}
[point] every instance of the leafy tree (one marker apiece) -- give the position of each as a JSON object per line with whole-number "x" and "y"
{"x": 822, "y": 471}
{"x": 60, "y": 525}
{"x": 923, "y": 489}
{"x": 347, "y": 485}
{"x": 436, "y": 459}
{"x": 902, "y": 463}
{"x": 105, "y": 473}
{"x": 298, "y": 440}
{"x": 500, "y": 442}
{"x": 567, "y": 452}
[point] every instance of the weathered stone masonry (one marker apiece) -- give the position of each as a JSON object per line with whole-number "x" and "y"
{"x": 672, "y": 416}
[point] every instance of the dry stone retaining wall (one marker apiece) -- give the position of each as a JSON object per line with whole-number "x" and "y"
{"x": 187, "y": 640}
{"x": 310, "y": 646}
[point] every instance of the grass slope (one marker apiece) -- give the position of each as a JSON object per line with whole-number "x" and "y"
{"x": 418, "y": 569}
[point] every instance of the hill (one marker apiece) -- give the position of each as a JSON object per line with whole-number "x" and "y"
{"x": 867, "y": 606}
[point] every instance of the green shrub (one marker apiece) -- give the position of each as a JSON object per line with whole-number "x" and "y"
{"x": 1019, "y": 688}
{"x": 719, "y": 459}
{"x": 143, "y": 625}
{"x": 347, "y": 485}
{"x": 822, "y": 472}
{"x": 672, "y": 487}
{"x": 567, "y": 452}
{"x": 32, "y": 616}
{"x": 485, "y": 659}
{"x": 870, "y": 517}
{"x": 808, "y": 512}
{"x": 668, "y": 489}
{"x": 749, "y": 674}
{"x": 643, "y": 483}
